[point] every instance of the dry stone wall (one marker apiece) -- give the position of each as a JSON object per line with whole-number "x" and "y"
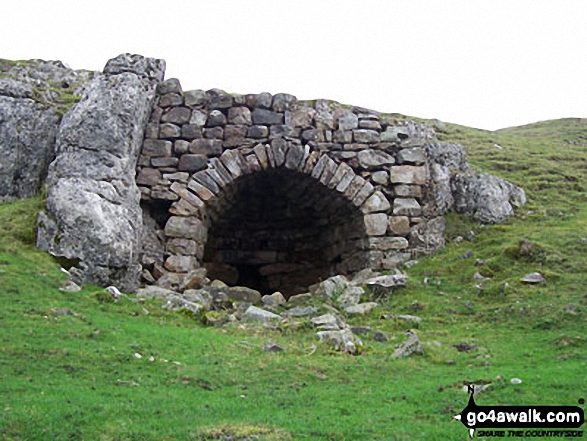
{"x": 267, "y": 187}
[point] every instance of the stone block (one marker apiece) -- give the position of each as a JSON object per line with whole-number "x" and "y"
{"x": 180, "y": 246}
{"x": 301, "y": 117}
{"x": 219, "y": 99}
{"x": 208, "y": 147}
{"x": 168, "y": 130}
{"x": 239, "y": 116}
{"x": 406, "y": 207}
{"x": 366, "y": 136}
{"x": 187, "y": 228}
{"x": 165, "y": 161}
{"x": 399, "y": 225}
{"x": 192, "y": 162}
{"x": 348, "y": 121}
{"x": 409, "y": 191}
{"x": 376, "y": 224}
{"x": 388, "y": 243}
{"x": 196, "y": 98}
{"x": 344, "y": 136}
{"x": 177, "y": 115}
{"x": 283, "y": 101}
{"x": 171, "y": 85}
{"x": 408, "y": 174}
{"x": 363, "y": 194}
{"x": 202, "y": 191}
{"x": 294, "y": 156}
{"x": 148, "y": 176}
{"x": 234, "y": 163}
{"x": 257, "y": 132}
{"x": 199, "y": 117}
{"x": 170, "y": 100}
{"x": 380, "y": 177}
{"x": 156, "y": 147}
{"x": 181, "y": 264}
{"x": 215, "y": 118}
{"x": 180, "y": 146}
{"x": 266, "y": 117}
{"x": 262, "y": 100}
{"x": 370, "y": 124}
{"x": 411, "y": 156}
{"x": 370, "y": 159}
{"x": 377, "y": 202}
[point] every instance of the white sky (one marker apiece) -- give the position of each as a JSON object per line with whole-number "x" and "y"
{"x": 483, "y": 63}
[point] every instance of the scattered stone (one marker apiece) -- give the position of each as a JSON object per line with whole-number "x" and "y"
{"x": 155, "y": 292}
{"x": 351, "y": 296}
{"x": 361, "y": 308}
{"x": 572, "y": 309}
{"x": 411, "y": 346}
{"x": 328, "y": 322}
{"x": 516, "y": 381}
{"x": 274, "y": 300}
{"x": 343, "y": 340}
{"x": 467, "y": 254}
{"x": 194, "y": 279}
{"x": 410, "y": 263}
{"x": 244, "y": 294}
{"x": 254, "y": 314}
{"x": 176, "y": 303}
{"x": 70, "y": 286}
{"x": 330, "y": 287}
{"x": 201, "y": 296}
{"x": 299, "y": 299}
{"x": 478, "y": 276}
{"x": 380, "y": 337}
{"x": 388, "y": 281}
{"x": 413, "y": 320}
{"x": 360, "y": 330}
{"x": 533, "y": 278}
{"x": 479, "y": 262}
{"x": 300, "y": 311}
{"x": 272, "y": 347}
{"x": 477, "y": 389}
{"x": 113, "y": 290}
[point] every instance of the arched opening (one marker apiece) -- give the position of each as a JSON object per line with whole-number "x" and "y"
{"x": 280, "y": 230}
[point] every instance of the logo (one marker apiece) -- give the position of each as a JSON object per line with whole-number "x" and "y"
{"x": 521, "y": 417}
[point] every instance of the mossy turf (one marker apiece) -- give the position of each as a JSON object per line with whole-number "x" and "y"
{"x": 79, "y": 376}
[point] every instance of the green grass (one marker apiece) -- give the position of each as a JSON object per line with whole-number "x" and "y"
{"x": 77, "y": 377}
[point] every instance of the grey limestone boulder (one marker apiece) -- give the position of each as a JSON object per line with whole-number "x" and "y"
{"x": 93, "y": 214}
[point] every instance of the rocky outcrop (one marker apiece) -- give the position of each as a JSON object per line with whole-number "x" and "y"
{"x": 93, "y": 214}
{"x": 33, "y": 96}
{"x": 455, "y": 186}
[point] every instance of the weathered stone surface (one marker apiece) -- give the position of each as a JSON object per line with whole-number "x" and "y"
{"x": 171, "y": 85}
{"x": 388, "y": 243}
{"x": 300, "y": 311}
{"x": 143, "y": 67}
{"x": 93, "y": 211}
{"x": 376, "y": 224}
{"x": 301, "y": 117}
{"x": 152, "y": 248}
{"x": 428, "y": 236}
{"x": 408, "y": 174}
{"x": 452, "y": 156}
{"x": 371, "y": 159}
{"x": 155, "y": 292}
{"x": 239, "y": 116}
{"x": 219, "y": 99}
{"x": 181, "y": 264}
{"x": 170, "y": 100}
{"x": 194, "y": 279}
{"x": 299, "y": 299}
{"x": 257, "y": 132}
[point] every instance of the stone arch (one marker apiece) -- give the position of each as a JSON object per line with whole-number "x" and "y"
{"x": 332, "y": 218}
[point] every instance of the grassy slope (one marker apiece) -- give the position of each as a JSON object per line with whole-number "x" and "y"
{"x": 66, "y": 377}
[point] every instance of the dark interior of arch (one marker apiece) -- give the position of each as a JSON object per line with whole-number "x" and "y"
{"x": 280, "y": 230}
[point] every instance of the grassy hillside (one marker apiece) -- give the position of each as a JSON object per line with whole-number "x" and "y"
{"x": 80, "y": 377}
